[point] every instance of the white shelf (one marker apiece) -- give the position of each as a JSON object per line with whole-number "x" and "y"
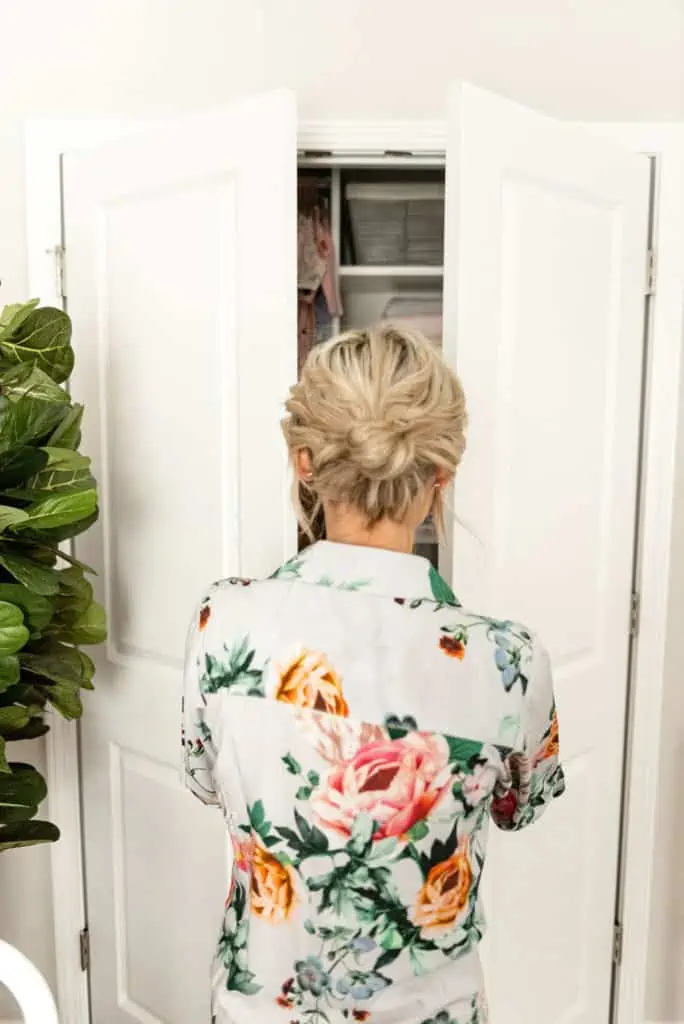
{"x": 379, "y": 271}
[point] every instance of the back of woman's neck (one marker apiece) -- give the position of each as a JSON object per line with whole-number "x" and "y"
{"x": 346, "y": 528}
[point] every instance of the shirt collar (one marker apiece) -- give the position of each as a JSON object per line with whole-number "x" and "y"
{"x": 368, "y": 570}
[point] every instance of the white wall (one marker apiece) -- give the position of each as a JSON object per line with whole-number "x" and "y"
{"x": 601, "y": 60}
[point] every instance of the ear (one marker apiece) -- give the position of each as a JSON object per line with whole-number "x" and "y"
{"x": 303, "y": 465}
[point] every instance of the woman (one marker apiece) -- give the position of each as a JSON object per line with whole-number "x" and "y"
{"x": 357, "y": 726}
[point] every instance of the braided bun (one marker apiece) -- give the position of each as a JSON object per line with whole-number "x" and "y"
{"x": 380, "y": 413}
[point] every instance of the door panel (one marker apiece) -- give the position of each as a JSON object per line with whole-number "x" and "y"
{"x": 181, "y": 249}
{"x": 544, "y": 291}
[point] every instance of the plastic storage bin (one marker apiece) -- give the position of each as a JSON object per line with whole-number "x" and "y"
{"x": 400, "y": 224}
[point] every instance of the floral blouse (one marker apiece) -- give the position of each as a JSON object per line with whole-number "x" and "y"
{"x": 359, "y": 729}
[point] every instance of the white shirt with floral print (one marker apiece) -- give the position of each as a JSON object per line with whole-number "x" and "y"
{"x": 359, "y": 729}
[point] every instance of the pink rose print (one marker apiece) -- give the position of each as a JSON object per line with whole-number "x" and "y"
{"x": 396, "y": 782}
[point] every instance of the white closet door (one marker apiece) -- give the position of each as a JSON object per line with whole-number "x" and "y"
{"x": 181, "y": 249}
{"x": 544, "y": 316}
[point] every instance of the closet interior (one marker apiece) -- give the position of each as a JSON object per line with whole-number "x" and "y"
{"x": 370, "y": 248}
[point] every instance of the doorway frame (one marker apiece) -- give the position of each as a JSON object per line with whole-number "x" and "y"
{"x": 45, "y": 141}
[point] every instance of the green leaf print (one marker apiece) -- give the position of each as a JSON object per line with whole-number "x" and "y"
{"x": 232, "y": 947}
{"x": 293, "y": 766}
{"x": 258, "y": 821}
{"x": 441, "y": 591}
{"x": 362, "y": 832}
{"x": 418, "y": 831}
{"x": 236, "y": 672}
{"x": 462, "y": 752}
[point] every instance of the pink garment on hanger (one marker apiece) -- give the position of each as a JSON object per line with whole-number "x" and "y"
{"x": 316, "y": 268}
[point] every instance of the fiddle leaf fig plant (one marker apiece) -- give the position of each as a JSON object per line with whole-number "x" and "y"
{"x": 47, "y": 608}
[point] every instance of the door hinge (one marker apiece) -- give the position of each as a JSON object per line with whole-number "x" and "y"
{"x": 634, "y": 614}
{"x": 650, "y": 272}
{"x": 618, "y": 935}
{"x": 58, "y": 254}
{"x": 84, "y": 945}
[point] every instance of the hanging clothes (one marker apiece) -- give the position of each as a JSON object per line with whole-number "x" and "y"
{"x": 317, "y": 280}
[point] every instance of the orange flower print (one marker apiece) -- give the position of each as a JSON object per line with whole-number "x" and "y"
{"x": 273, "y": 890}
{"x": 551, "y": 745}
{"x": 308, "y": 680}
{"x": 452, "y": 647}
{"x": 204, "y": 615}
{"x": 443, "y": 897}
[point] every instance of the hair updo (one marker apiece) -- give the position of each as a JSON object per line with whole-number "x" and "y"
{"x": 380, "y": 413}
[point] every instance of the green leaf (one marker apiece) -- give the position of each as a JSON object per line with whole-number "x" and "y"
{"x": 13, "y": 632}
{"x": 13, "y": 717}
{"x": 37, "y": 610}
{"x": 27, "y": 833}
{"x": 20, "y": 464}
{"x": 43, "y": 337}
{"x": 63, "y": 510}
{"x": 313, "y": 777}
{"x": 57, "y": 662}
{"x": 24, "y": 787}
{"x": 14, "y": 315}
{"x": 362, "y": 832}
{"x": 31, "y": 731}
{"x": 441, "y": 591}
{"x": 391, "y": 938}
{"x": 318, "y": 841}
{"x": 28, "y": 420}
{"x": 40, "y": 579}
{"x": 462, "y": 751}
{"x": 418, "y": 831}
{"x": 257, "y": 815}
{"x": 65, "y": 698}
{"x": 8, "y": 815}
{"x": 68, "y": 433}
{"x": 291, "y": 838}
{"x": 293, "y": 766}
{"x": 9, "y": 671}
{"x": 27, "y": 379}
{"x": 65, "y": 472}
{"x": 10, "y": 516}
{"x": 386, "y": 958}
{"x": 89, "y": 628}
{"x": 4, "y": 766}
{"x": 303, "y": 826}
{"x": 304, "y": 792}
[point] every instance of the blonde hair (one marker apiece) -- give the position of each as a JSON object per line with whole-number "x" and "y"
{"x": 380, "y": 413}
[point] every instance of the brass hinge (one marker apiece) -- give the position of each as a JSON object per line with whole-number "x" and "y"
{"x": 634, "y": 614}
{"x": 84, "y": 945}
{"x": 618, "y": 935}
{"x": 650, "y": 272}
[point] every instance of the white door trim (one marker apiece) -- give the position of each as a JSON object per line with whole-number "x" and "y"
{"x": 44, "y": 143}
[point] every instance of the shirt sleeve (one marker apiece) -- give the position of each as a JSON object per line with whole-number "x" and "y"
{"x": 199, "y": 753}
{"x": 533, "y": 777}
